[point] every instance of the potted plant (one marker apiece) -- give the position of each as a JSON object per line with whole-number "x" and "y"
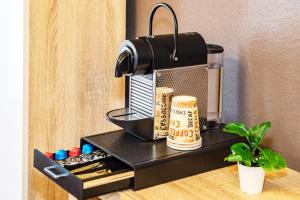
{"x": 253, "y": 159}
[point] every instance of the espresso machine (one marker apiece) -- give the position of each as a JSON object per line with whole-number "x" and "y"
{"x": 159, "y": 67}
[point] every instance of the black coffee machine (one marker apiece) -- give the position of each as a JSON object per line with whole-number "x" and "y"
{"x": 158, "y": 66}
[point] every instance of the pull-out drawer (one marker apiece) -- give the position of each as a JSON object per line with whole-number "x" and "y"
{"x": 121, "y": 177}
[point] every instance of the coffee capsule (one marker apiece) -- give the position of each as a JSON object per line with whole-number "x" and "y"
{"x": 87, "y": 149}
{"x": 73, "y": 160}
{"x": 60, "y": 154}
{"x": 61, "y": 162}
{"x": 74, "y": 156}
{"x": 49, "y": 155}
{"x": 98, "y": 154}
{"x": 86, "y": 157}
{"x": 74, "y": 151}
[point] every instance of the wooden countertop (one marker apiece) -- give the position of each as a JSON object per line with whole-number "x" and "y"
{"x": 218, "y": 184}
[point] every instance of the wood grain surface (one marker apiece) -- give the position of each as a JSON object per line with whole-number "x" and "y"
{"x": 218, "y": 184}
{"x": 72, "y": 50}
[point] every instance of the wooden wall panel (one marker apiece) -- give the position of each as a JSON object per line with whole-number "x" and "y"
{"x": 72, "y": 49}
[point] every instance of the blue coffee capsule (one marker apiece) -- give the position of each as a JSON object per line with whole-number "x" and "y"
{"x": 87, "y": 149}
{"x": 61, "y": 155}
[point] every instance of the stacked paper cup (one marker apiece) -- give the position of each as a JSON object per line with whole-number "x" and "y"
{"x": 184, "y": 131}
{"x": 162, "y": 111}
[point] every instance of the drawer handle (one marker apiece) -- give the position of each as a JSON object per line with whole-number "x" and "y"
{"x": 54, "y": 175}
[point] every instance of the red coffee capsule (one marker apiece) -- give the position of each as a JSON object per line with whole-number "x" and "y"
{"x": 74, "y": 151}
{"x": 49, "y": 155}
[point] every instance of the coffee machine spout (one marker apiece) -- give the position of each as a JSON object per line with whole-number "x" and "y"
{"x": 123, "y": 65}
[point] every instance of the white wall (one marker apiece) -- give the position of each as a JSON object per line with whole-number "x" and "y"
{"x": 11, "y": 98}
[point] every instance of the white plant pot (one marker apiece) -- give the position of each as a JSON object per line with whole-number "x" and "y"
{"x": 251, "y": 179}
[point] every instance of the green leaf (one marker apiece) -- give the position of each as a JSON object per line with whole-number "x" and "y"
{"x": 271, "y": 160}
{"x": 257, "y": 133}
{"x": 240, "y": 152}
{"x": 236, "y": 128}
{"x": 253, "y": 132}
{"x": 241, "y": 149}
{"x": 247, "y": 163}
{"x": 234, "y": 158}
{"x": 265, "y": 164}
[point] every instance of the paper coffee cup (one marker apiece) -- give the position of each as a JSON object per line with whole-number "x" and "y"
{"x": 162, "y": 111}
{"x": 184, "y": 130}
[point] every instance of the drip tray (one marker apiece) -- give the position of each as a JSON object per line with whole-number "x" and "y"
{"x": 134, "y": 122}
{"x": 125, "y": 114}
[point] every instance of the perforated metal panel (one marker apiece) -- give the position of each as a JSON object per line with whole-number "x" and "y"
{"x": 191, "y": 81}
